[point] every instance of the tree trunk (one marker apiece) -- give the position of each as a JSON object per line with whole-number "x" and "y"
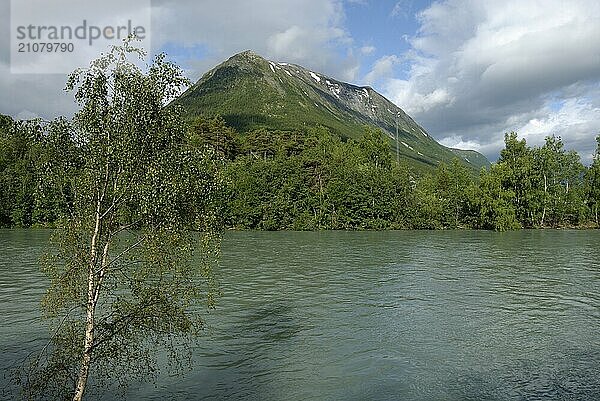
{"x": 545, "y": 196}
{"x": 87, "y": 346}
{"x": 543, "y": 216}
{"x": 88, "y": 341}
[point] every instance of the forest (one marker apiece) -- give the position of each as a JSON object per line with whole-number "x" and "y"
{"x": 314, "y": 180}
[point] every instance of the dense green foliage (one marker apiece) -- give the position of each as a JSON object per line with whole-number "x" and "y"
{"x": 292, "y": 180}
{"x": 26, "y": 148}
{"x": 287, "y": 180}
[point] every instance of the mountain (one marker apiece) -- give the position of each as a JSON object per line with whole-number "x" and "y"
{"x": 472, "y": 157}
{"x": 251, "y": 92}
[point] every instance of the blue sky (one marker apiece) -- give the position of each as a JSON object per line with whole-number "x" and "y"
{"x": 384, "y": 27}
{"x": 466, "y": 70}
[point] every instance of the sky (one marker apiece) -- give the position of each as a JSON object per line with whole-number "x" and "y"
{"x": 466, "y": 70}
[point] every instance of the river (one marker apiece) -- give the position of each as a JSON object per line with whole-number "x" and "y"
{"x": 407, "y": 315}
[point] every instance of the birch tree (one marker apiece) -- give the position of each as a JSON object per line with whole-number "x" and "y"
{"x": 130, "y": 269}
{"x": 592, "y": 179}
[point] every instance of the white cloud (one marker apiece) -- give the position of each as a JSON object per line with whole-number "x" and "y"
{"x": 459, "y": 143}
{"x": 89, "y": 22}
{"x": 576, "y": 122}
{"x": 402, "y": 8}
{"x": 478, "y": 69}
{"x": 367, "y": 49}
{"x": 33, "y": 95}
{"x": 382, "y": 68}
{"x": 413, "y": 101}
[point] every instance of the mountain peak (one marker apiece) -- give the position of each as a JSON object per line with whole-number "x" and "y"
{"x": 246, "y": 55}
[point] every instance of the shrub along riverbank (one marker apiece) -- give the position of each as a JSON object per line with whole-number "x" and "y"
{"x": 315, "y": 180}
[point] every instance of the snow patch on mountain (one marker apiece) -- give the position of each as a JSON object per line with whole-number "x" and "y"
{"x": 408, "y": 146}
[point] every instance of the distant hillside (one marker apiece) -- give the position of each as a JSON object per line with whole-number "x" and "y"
{"x": 470, "y": 156}
{"x": 251, "y": 92}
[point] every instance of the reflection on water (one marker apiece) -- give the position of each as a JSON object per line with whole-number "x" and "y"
{"x": 374, "y": 315}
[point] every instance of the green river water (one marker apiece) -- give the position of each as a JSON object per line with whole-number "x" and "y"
{"x": 411, "y": 315}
